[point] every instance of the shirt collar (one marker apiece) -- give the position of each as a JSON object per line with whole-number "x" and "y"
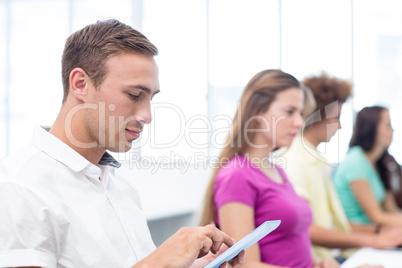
{"x": 63, "y": 153}
{"x": 306, "y": 145}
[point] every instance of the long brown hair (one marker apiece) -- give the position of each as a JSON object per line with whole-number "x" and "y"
{"x": 364, "y": 135}
{"x": 257, "y": 96}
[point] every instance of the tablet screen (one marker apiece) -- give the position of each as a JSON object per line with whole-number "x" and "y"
{"x": 246, "y": 242}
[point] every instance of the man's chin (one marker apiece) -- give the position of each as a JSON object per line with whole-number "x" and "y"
{"x": 122, "y": 148}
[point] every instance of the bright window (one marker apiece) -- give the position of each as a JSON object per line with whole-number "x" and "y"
{"x": 378, "y": 60}
{"x": 37, "y": 33}
{"x": 178, "y": 29}
{"x": 3, "y": 81}
{"x": 316, "y": 37}
{"x": 208, "y": 52}
{"x": 244, "y": 38}
{"x": 85, "y": 12}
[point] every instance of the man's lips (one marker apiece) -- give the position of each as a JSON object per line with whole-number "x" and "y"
{"x": 134, "y": 133}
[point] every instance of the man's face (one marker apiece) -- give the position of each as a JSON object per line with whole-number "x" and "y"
{"x": 123, "y": 100}
{"x": 331, "y": 124}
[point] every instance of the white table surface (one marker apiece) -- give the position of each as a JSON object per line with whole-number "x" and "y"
{"x": 390, "y": 258}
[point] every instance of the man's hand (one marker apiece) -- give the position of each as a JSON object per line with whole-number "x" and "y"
{"x": 188, "y": 244}
{"x": 239, "y": 260}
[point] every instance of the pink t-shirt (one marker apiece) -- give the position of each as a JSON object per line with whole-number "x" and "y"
{"x": 289, "y": 245}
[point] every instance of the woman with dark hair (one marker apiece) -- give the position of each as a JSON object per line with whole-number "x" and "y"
{"x": 395, "y": 178}
{"x": 246, "y": 189}
{"x": 362, "y": 179}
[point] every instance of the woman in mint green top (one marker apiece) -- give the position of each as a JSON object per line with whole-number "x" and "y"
{"x": 362, "y": 180}
{"x": 356, "y": 166}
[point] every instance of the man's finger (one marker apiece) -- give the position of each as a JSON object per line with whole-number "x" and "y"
{"x": 240, "y": 259}
{"x": 218, "y": 238}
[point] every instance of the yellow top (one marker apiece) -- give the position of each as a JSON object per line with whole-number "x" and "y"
{"x": 309, "y": 173}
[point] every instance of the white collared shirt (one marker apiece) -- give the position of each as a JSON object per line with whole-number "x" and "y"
{"x": 56, "y": 212}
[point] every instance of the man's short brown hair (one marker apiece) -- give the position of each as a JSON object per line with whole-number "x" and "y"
{"x": 90, "y": 47}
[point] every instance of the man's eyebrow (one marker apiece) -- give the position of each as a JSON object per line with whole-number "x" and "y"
{"x": 144, "y": 88}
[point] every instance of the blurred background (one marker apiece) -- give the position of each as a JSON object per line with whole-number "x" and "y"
{"x": 208, "y": 50}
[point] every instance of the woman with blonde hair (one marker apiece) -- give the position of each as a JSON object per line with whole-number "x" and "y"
{"x": 247, "y": 189}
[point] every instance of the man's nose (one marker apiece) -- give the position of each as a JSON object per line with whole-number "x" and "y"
{"x": 144, "y": 115}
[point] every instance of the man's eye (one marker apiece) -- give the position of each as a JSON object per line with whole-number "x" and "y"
{"x": 134, "y": 97}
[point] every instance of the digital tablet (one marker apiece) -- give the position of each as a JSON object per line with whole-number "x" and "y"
{"x": 246, "y": 242}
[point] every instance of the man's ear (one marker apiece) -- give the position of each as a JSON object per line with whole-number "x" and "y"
{"x": 79, "y": 82}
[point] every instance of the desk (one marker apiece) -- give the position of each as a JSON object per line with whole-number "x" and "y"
{"x": 390, "y": 258}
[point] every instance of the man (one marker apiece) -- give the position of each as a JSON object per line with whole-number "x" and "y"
{"x": 309, "y": 173}
{"x": 61, "y": 203}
